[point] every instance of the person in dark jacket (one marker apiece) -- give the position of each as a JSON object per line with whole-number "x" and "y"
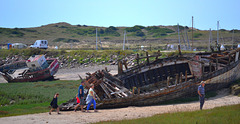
{"x": 54, "y": 104}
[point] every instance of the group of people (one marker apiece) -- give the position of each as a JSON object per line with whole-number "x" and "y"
{"x": 90, "y": 99}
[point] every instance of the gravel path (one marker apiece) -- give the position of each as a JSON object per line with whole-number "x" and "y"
{"x": 68, "y": 117}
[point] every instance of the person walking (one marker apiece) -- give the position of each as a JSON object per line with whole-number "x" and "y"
{"x": 78, "y": 103}
{"x": 91, "y": 99}
{"x": 201, "y": 93}
{"x": 54, "y": 104}
{"x": 80, "y": 96}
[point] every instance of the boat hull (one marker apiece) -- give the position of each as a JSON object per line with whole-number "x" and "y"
{"x": 40, "y": 75}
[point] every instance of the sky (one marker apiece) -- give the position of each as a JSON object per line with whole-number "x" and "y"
{"x": 206, "y": 13}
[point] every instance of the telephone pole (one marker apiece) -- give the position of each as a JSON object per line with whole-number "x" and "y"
{"x": 192, "y": 33}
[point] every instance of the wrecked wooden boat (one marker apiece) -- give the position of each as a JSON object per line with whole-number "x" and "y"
{"x": 36, "y": 68}
{"x": 163, "y": 79}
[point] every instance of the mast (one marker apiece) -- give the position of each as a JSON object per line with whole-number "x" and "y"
{"x": 192, "y": 33}
{"x": 232, "y": 38}
{"x": 178, "y": 35}
{"x": 127, "y": 40}
{"x": 100, "y": 42}
{"x": 217, "y": 32}
{"x": 185, "y": 45}
{"x": 210, "y": 39}
{"x": 124, "y": 40}
{"x": 189, "y": 47}
{"x": 96, "y": 40}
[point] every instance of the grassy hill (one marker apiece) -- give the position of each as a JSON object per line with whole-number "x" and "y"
{"x": 65, "y": 35}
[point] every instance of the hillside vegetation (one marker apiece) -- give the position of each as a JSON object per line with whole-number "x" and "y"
{"x": 65, "y": 35}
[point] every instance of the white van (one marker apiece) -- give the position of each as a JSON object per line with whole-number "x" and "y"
{"x": 42, "y": 44}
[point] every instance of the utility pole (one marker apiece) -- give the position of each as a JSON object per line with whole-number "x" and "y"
{"x": 178, "y": 35}
{"x": 96, "y": 40}
{"x": 124, "y": 40}
{"x": 189, "y": 47}
{"x": 217, "y": 32}
{"x": 210, "y": 39}
{"x": 192, "y": 33}
{"x": 232, "y": 38}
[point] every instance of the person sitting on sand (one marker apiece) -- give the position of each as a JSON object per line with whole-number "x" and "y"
{"x": 54, "y": 104}
{"x": 91, "y": 99}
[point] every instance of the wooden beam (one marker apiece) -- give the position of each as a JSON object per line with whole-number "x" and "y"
{"x": 186, "y": 76}
{"x": 168, "y": 81}
{"x": 147, "y": 58}
{"x": 105, "y": 90}
{"x": 177, "y": 79}
{"x": 180, "y": 80}
{"x": 120, "y": 69}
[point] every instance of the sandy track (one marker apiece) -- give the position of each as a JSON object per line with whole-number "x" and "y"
{"x": 69, "y": 117}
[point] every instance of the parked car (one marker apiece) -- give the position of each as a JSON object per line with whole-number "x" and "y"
{"x": 42, "y": 44}
{"x": 19, "y": 45}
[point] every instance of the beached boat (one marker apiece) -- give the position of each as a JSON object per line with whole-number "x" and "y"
{"x": 163, "y": 79}
{"x": 36, "y": 68}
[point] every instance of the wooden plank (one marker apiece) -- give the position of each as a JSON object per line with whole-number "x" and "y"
{"x": 168, "y": 81}
{"x": 138, "y": 90}
{"x": 147, "y": 58}
{"x": 180, "y": 80}
{"x": 137, "y": 58}
{"x": 104, "y": 89}
{"x": 186, "y": 76}
{"x": 120, "y": 69}
{"x": 176, "y": 79}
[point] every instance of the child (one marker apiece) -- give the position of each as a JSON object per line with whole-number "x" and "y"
{"x": 78, "y": 103}
{"x": 54, "y": 104}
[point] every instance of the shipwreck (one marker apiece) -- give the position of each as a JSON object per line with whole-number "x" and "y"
{"x": 36, "y": 68}
{"x": 163, "y": 79}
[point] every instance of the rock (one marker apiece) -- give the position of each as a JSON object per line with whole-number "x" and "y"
{"x": 12, "y": 102}
{"x": 235, "y": 89}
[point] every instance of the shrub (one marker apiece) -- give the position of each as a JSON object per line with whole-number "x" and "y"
{"x": 140, "y": 34}
{"x": 133, "y": 29}
{"x": 66, "y": 40}
{"x": 197, "y": 35}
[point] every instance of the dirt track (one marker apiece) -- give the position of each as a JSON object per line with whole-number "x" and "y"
{"x": 69, "y": 117}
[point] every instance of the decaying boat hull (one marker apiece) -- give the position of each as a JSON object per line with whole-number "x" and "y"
{"x": 164, "y": 79}
{"x": 26, "y": 76}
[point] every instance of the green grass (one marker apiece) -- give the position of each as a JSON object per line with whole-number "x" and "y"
{"x": 219, "y": 115}
{"x": 33, "y": 97}
{"x": 189, "y": 99}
